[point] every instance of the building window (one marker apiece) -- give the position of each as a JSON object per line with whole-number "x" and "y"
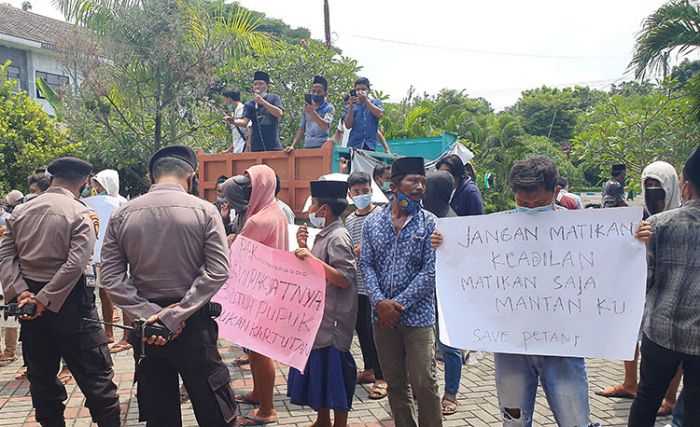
{"x": 13, "y": 73}
{"x": 55, "y": 81}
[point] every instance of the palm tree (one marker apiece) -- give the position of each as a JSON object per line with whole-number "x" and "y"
{"x": 675, "y": 25}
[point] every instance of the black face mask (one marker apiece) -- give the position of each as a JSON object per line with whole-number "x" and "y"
{"x": 9, "y": 208}
{"x": 655, "y": 200}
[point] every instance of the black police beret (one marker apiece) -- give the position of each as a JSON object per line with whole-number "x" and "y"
{"x": 329, "y": 189}
{"x": 181, "y": 152}
{"x": 69, "y": 165}
{"x": 408, "y": 166}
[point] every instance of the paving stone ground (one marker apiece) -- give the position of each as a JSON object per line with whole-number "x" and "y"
{"x": 477, "y": 397}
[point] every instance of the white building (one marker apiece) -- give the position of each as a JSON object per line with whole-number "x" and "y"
{"x": 31, "y": 42}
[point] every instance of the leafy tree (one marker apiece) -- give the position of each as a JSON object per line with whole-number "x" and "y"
{"x": 553, "y": 112}
{"x": 632, "y": 88}
{"x": 291, "y": 68}
{"x": 145, "y": 75}
{"x": 685, "y": 71}
{"x": 540, "y": 145}
{"x": 29, "y": 138}
{"x": 675, "y": 26}
{"x": 637, "y": 130}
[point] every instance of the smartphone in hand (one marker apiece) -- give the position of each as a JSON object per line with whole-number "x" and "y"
{"x": 308, "y": 98}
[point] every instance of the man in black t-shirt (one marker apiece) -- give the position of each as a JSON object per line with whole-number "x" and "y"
{"x": 263, "y": 112}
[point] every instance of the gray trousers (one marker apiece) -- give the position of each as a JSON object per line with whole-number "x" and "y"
{"x": 402, "y": 350}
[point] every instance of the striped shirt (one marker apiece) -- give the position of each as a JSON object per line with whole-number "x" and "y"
{"x": 354, "y": 223}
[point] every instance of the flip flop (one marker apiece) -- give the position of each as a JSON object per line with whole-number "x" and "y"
{"x": 252, "y": 420}
{"x": 240, "y": 361}
{"x": 7, "y": 360}
{"x": 118, "y": 348}
{"x": 21, "y": 375}
{"x": 615, "y": 391}
{"x": 664, "y": 410}
{"x": 378, "y": 392}
{"x": 245, "y": 398}
{"x": 449, "y": 407}
{"x": 65, "y": 378}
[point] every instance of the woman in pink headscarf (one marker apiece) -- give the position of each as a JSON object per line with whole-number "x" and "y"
{"x": 266, "y": 223}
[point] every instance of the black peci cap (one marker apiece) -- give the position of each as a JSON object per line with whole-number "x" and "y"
{"x": 181, "y": 152}
{"x": 617, "y": 169}
{"x": 329, "y": 189}
{"x": 322, "y": 81}
{"x": 69, "y": 165}
{"x": 261, "y": 75}
{"x": 408, "y": 166}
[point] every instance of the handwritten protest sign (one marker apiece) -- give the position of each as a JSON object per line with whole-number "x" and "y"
{"x": 272, "y": 302}
{"x": 565, "y": 283}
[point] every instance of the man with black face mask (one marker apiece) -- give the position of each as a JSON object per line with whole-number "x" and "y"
{"x": 316, "y": 119}
{"x": 174, "y": 247}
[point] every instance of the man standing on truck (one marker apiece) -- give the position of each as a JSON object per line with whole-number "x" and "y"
{"x": 316, "y": 119}
{"x": 263, "y": 113}
{"x": 362, "y": 118}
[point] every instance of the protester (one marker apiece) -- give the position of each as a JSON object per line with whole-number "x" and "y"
{"x": 316, "y": 118}
{"x": 288, "y": 212}
{"x": 163, "y": 259}
{"x": 328, "y": 382}
{"x": 614, "y": 189}
{"x": 438, "y": 190}
{"x": 11, "y": 201}
{"x": 564, "y": 379}
{"x": 360, "y": 190}
{"x": 234, "y": 111}
{"x": 362, "y": 116}
{"x": 661, "y": 193}
{"x": 398, "y": 269}
{"x": 266, "y": 223}
{"x": 53, "y": 251}
{"x": 104, "y": 205}
{"x": 38, "y": 183}
{"x": 672, "y": 312}
{"x": 263, "y": 114}
{"x": 466, "y": 199}
{"x": 382, "y": 177}
{"x": 568, "y": 200}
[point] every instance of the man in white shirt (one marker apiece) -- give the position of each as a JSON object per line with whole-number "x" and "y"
{"x": 234, "y": 110}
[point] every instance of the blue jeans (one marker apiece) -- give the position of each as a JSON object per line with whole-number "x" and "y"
{"x": 679, "y": 411}
{"x": 453, "y": 367}
{"x": 563, "y": 379}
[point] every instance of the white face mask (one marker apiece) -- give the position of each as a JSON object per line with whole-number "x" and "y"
{"x": 317, "y": 221}
{"x": 535, "y": 210}
{"x": 362, "y": 201}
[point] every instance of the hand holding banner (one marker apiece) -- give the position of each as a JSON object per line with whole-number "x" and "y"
{"x": 272, "y": 302}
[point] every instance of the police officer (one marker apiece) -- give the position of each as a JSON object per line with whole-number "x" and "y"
{"x": 43, "y": 255}
{"x": 174, "y": 247}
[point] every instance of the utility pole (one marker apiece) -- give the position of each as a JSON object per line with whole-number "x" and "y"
{"x": 327, "y": 22}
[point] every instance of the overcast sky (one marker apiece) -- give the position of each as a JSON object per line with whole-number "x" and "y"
{"x": 490, "y": 48}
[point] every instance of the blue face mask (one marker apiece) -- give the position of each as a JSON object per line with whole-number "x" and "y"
{"x": 406, "y": 203}
{"x": 362, "y": 201}
{"x": 386, "y": 186}
{"x": 318, "y": 99}
{"x": 221, "y": 199}
{"x": 538, "y": 209}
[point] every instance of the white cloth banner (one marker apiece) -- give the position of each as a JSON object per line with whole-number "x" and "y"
{"x": 564, "y": 283}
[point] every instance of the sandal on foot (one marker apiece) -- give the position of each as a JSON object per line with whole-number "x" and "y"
{"x": 449, "y": 407}
{"x": 378, "y": 391}
{"x": 665, "y": 409}
{"x": 364, "y": 377}
{"x": 245, "y": 398}
{"x": 65, "y": 378}
{"x": 240, "y": 361}
{"x": 119, "y": 347}
{"x": 4, "y": 361}
{"x": 254, "y": 420}
{"x": 615, "y": 391}
{"x": 21, "y": 375}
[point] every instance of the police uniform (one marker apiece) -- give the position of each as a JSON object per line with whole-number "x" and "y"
{"x": 45, "y": 250}
{"x": 174, "y": 247}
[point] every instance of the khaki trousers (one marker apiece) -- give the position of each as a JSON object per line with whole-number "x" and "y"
{"x": 407, "y": 355}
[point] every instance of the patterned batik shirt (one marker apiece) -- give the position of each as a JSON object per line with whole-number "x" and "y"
{"x": 400, "y": 266}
